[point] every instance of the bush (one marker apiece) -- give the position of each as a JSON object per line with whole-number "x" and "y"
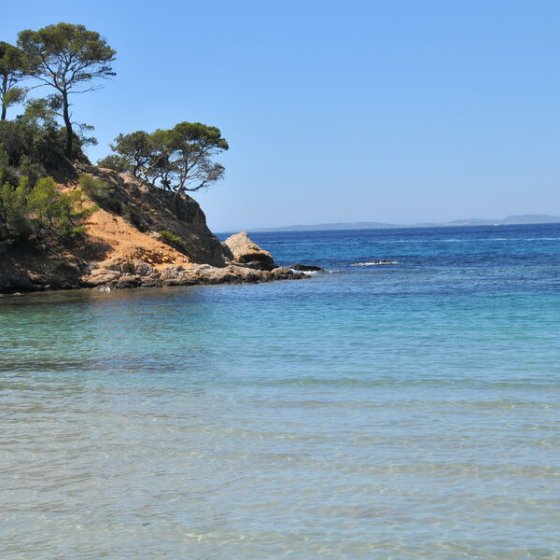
{"x": 41, "y": 212}
{"x": 172, "y": 239}
{"x": 135, "y": 217}
{"x": 14, "y": 220}
{"x": 100, "y": 191}
{"x": 115, "y": 162}
{"x": 59, "y": 214}
{"x": 33, "y": 145}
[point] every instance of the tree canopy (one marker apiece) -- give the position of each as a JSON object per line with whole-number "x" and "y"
{"x": 178, "y": 159}
{"x": 72, "y": 59}
{"x": 12, "y": 71}
{"x": 68, "y": 58}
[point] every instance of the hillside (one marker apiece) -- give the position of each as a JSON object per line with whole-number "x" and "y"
{"x": 139, "y": 236}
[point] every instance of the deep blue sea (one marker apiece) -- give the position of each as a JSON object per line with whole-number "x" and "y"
{"x": 395, "y": 411}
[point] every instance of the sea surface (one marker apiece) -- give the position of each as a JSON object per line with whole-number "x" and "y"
{"x": 374, "y": 411}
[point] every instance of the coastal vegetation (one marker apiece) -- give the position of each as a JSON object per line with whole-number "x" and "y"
{"x": 179, "y": 159}
{"x": 45, "y": 142}
{"x": 68, "y": 58}
{"x": 41, "y": 213}
{"x": 12, "y": 72}
{"x": 127, "y": 222}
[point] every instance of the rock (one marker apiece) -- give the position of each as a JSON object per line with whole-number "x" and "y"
{"x": 284, "y": 273}
{"x": 143, "y": 269}
{"x": 172, "y": 272}
{"x": 245, "y": 251}
{"x": 101, "y": 276}
{"x": 14, "y": 281}
{"x": 306, "y": 268}
{"x": 151, "y": 210}
{"x": 128, "y": 281}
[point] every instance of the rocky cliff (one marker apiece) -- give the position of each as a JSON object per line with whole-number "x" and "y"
{"x": 139, "y": 236}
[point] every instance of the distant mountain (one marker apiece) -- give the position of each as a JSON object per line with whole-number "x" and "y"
{"x": 330, "y": 227}
{"x": 510, "y": 220}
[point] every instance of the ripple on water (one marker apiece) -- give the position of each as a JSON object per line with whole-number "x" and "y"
{"x": 382, "y": 412}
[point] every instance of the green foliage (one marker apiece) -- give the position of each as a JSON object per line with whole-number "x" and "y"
{"x": 114, "y": 162}
{"x": 100, "y": 191}
{"x": 135, "y": 148}
{"x": 170, "y": 237}
{"x": 53, "y": 213}
{"x": 12, "y": 71}
{"x": 14, "y": 222}
{"x": 179, "y": 159}
{"x": 41, "y": 212}
{"x": 68, "y": 58}
{"x": 28, "y": 150}
{"x": 94, "y": 187}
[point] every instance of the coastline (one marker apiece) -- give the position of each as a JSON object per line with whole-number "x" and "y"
{"x": 123, "y": 274}
{"x": 138, "y": 236}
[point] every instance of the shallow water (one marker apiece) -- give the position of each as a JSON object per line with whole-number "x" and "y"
{"x": 400, "y": 411}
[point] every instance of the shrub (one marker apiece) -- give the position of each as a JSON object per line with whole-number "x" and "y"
{"x": 115, "y": 162}
{"x": 59, "y": 214}
{"x": 170, "y": 237}
{"x": 41, "y": 212}
{"x": 100, "y": 191}
{"x": 14, "y": 221}
{"x": 135, "y": 217}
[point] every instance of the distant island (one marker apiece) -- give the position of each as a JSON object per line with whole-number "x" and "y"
{"x": 510, "y": 220}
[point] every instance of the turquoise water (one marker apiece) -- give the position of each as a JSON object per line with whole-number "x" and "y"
{"x": 399, "y": 411}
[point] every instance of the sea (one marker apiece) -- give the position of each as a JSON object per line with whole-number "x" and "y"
{"x": 402, "y": 404}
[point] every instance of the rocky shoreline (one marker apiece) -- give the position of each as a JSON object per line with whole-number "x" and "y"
{"x": 140, "y": 274}
{"x": 246, "y": 262}
{"x": 140, "y": 236}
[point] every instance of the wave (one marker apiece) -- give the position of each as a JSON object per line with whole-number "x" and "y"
{"x": 383, "y": 262}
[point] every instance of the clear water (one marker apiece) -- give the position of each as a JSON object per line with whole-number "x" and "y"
{"x": 401, "y": 411}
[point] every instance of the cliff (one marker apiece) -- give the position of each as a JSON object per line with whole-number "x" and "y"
{"x": 139, "y": 236}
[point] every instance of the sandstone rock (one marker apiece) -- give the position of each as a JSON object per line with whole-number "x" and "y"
{"x": 101, "y": 276}
{"x": 245, "y": 251}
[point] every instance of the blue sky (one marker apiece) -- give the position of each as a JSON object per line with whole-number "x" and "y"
{"x": 397, "y": 111}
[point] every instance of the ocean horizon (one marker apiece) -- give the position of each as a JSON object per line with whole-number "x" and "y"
{"x": 402, "y": 404}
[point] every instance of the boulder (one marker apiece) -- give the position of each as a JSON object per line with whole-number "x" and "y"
{"x": 306, "y": 267}
{"x": 245, "y": 251}
{"x": 143, "y": 269}
{"x": 283, "y": 273}
{"x": 128, "y": 281}
{"x": 101, "y": 277}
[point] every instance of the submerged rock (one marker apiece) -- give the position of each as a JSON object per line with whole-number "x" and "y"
{"x": 306, "y": 268}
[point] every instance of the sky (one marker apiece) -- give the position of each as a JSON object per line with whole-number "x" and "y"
{"x": 394, "y": 111}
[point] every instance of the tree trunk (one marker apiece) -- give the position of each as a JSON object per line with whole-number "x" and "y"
{"x": 4, "y": 90}
{"x": 68, "y": 125}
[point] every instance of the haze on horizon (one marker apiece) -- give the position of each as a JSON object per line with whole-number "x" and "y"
{"x": 339, "y": 112}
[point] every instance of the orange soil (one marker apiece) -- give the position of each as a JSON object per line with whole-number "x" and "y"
{"x": 123, "y": 241}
